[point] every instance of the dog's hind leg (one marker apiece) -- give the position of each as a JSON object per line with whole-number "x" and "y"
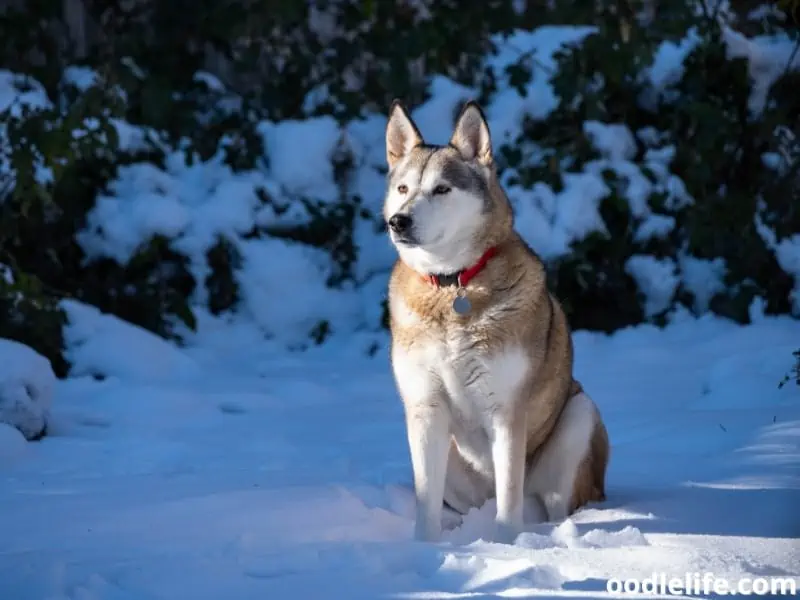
{"x": 569, "y": 470}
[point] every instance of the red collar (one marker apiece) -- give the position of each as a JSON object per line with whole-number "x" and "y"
{"x": 462, "y": 278}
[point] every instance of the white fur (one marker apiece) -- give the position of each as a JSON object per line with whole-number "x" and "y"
{"x": 481, "y": 390}
{"x": 508, "y": 455}
{"x": 457, "y": 254}
{"x": 429, "y": 444}
{"x": 428, "y": 428}
{"x": 394, "y": 200}
{"x": 414, "y": 379}
{"x": 476, "y": 407}
{"x": 444, "y": 225}
{"x": 496, "y": 380}
{"x": 552, "y": 477}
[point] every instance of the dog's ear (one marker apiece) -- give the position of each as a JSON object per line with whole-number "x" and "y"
{"x": 401, "y": 134}
{"x": 471, "y": 136}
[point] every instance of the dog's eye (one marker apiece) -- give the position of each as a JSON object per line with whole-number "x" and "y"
{"x": 440, "y": 189}
{"x": 403, "y": 189}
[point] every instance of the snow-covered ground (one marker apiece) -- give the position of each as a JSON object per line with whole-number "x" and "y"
{"x": 217, "y": 472}
{"x": 236, "y": 468}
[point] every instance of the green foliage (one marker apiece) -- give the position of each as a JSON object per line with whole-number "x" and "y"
{"x": 721, "y": 163}
{"x": 223, "y": 290}
{"x": 718, "y": 146}
{"x": 349, "y": 59}
{"x": 30, "y": 315}
{"x": 154, "y": 287}
{"x": 77, "y": 146}
{"x": 275, "y": 53}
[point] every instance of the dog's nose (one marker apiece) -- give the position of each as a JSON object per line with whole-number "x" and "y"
{"x": 400, "y": 223}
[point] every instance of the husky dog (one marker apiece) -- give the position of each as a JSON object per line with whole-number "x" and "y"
{"x": 481, "y": 351}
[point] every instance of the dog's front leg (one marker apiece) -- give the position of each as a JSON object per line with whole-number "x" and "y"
{"x": 508, "y": 456}
{"x": 428, "y": 427}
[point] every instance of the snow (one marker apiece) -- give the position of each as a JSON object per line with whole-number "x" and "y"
{"x": 553, "y": 221}
{"x": 26, "y": 392}
{"x": 772, "y": 160}
{"x": 6, "y": 274}
{"x": 436, "y": 117}
{"x": 18, "y": 92}
{"x": 144, "y": 203}
{"x": 131, "y": 137}
{"x": 290, "y": 477}
{"x": 19, "y": 95}
{"x": 787, "y": 253}
{"x": 667, "y": 67}
{"x": 615, "y": 141}
{"x": 13, "y": 444}
{"x": 654, "y": 226}
{"x": 209, "y": 80}
{"x": 102, "y": 345}
{"x": 768, "y": 57}
{"x": 657, "y": 280}
{"x": 283, "y": 284}
{"x": 535, "y": 49}
{"x": 300, "y": 155}
{"x": 81, "y": 77}
{"x": 193, "y": 203}
{"x": 236, "y": 464}
{"x": 703, "y": 278}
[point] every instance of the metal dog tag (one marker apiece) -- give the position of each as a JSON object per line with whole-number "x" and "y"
{"x": 461, "y": 304}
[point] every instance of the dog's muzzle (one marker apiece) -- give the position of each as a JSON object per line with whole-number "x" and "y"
{"x": 401, "y": 227}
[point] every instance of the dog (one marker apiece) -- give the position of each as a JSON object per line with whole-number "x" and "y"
{"x": 481, "y": 351}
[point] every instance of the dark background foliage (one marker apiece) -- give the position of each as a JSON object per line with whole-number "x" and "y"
{"x": 349, "y": 59}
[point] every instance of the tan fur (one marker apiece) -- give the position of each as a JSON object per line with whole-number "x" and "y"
{"x": 530, "y": 320}
{"x": 511, "y": 308}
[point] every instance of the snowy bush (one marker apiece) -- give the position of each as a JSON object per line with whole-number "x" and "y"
{"x": 648, "y": 184}
{"x": 228, "y": 164}
{"x": 26, "y": 389}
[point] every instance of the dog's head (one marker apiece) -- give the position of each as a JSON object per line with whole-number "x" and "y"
{"x": 441, "y": 201}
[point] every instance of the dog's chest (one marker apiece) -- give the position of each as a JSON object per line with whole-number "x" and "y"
{"x": 481, "y": 383}
{"x": 479, "y": 377}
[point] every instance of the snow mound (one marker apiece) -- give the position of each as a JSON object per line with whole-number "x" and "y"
{"x": 656, "y": 279}
{"x": 26, "y": 391}
{"x": 300, "y": 155}
{"x": 100, "y": 344}
{"x": 13, "y": 444}
{"x": 297, "y": 467}
{"x": 282, "y": 284}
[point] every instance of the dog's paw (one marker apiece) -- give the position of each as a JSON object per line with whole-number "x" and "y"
{"x": 451, "y": 519}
